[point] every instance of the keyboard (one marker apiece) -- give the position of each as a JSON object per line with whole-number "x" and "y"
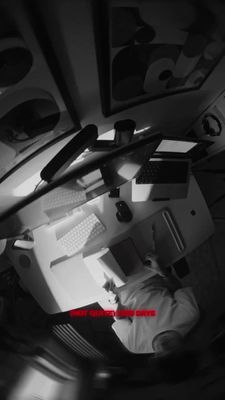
{"x": 63, "y": 197}
{"x": 82, "y": 234}
{"x": 163, "y": 171}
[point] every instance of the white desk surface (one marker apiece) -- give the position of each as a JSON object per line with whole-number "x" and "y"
{"x": 61, "y": 285}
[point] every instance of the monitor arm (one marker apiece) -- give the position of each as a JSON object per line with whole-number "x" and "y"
{"x": 87, "y": 138}
{"x": 84, "y": 139}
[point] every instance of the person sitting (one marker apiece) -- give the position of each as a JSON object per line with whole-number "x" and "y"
{"x": 176, "y": 311}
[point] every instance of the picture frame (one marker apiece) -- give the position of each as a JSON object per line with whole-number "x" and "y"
{"x": 148, "y": 50}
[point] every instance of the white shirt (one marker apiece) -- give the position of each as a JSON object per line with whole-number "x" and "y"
{"x": 177, "y": 312}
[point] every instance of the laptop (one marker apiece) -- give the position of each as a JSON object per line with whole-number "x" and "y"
{"x": 162, "y": 179}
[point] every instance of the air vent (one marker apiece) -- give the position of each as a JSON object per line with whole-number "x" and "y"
{"x": 67, "y": 334}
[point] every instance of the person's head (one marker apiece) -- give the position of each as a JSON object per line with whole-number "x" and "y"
{"x": 166, "y": 342}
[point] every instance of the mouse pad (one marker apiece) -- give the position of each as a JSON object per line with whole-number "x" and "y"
{"x": 142, "y": 236}
{"x": 127, "y": 256}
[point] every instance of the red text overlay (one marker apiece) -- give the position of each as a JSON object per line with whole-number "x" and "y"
{"x": 112, "y": 313}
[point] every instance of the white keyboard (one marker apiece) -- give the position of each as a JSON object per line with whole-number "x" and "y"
{"x": 62, "y": 197}
{"x": 82, "y": 234}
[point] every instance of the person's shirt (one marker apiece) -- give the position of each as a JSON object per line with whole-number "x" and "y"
{"x": 177, "y": 312}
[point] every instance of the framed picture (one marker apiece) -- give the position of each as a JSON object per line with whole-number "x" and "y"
{"x": 150, "y": 49}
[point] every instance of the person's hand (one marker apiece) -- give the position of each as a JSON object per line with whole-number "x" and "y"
{"x": 152, "y": 259}
{"x": 110, "y": 288}
{"x": 152, "y": 262}
{"x": 112, "y": 298}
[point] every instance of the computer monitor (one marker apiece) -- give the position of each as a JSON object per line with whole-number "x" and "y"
{"x": 97, "y": 174}
{"x": 175, "y": 146}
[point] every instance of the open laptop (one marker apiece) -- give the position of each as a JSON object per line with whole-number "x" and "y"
{"x": 162, "y": 179}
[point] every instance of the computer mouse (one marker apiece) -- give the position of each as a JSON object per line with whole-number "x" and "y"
{"x": 123, "y": 214}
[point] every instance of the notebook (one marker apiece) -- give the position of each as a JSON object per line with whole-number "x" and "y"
{"x": 162, "y": 179}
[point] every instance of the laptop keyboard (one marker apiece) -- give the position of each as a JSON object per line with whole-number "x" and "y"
{"x": 63, "y": 197}
{"x": 163, "y": 172}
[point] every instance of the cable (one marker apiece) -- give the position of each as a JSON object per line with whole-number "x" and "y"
{"x": 38, "y": 184}
{"x": 217, "y": 201}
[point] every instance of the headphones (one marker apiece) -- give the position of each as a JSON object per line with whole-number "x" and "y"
{"x": 211, "y": 125}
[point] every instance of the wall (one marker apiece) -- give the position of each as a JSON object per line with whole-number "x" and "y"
{"x": 7, "y": 187}
{"x": 70, "y": 26}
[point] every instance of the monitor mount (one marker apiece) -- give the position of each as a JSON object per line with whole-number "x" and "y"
{"x": 87, "y": 139}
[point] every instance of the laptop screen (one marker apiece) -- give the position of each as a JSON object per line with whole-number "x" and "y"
{"x": 164, "y": 171}
{"x": 175, "y": 146}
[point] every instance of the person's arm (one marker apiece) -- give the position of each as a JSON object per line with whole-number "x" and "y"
{"x": 119, "y": 307}
{"x": 154, "y": 264}
{"x": 173, "y": 283}
{"x": 186, "y": 298}
{"x": 121, "y": 328}
{"x": 152, "y": 261}
{"x": 187, "y": 308}
{"x": 122, "y": 323}
{"x": 114, "y": 300}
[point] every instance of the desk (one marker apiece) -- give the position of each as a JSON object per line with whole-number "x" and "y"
{"x": 60, "y": 285}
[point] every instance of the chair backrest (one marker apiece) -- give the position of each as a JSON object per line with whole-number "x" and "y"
{"x": 192, "y": 337}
